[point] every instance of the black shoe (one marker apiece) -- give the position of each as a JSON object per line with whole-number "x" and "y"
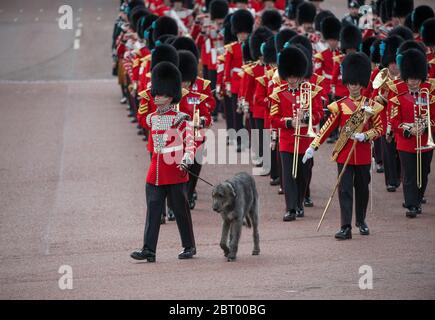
{"x": 344, "y": 233}
{"x": 289, "y": 216}
{"x": 380, "y": 168}
{"x": 423, "y": 200}
{"x": 363, "y": 229}
{"x": 192, "y": 204}
{"x": 134, "y": 120}
{"x": 171, "y": 216}
{"x": 300, "y": 213}
{"x": 144, "y": 254}
{"x": 131, "y": 115}
{"x": 145, "y": 138}
{"x": 187, "y": 253}
{"x": 419, "y": 210}
{"x": 195, "y": 195}
{"x": 280, "y": 191}
{"x": 215, "y": 118}
{"x": 412, "y": 212}
{"x": 308, "y": 202}
{"x": 330, "y": 140}
{"x": 162, "y": 219}
{"x": 275, "y": 182}
{"x": 391, "y": 188}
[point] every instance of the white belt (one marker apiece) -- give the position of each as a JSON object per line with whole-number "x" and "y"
{"x": 169, "y": 149}
{"x": 328, "y": 76}
{"x": 236, "y": 70}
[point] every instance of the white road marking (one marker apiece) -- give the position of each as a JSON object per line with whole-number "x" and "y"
{"x": 76, "y": 44}
{"x": 80, "y": 25}
{"x": 78, "y": 19}
{"x": 78, "y": 33}
{"x": 98, "y": 18}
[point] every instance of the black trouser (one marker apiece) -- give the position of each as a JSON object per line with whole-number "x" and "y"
{"x": 391, "y": 162}
{"x": 310, "y": 174}
{"x": 212, "y": 76}
{"x": 205, "y": 74}
{"x": 229, "y": 112}
{"x": 274, "y": 163}
{"x": 196, "y": 170}
{"x": 238, "y": 117}
{"x": 377, "y": 151}
{"x": 155, "y": 197}
{"x": 259, "y": 125}
{"x": 358, "y": 177}
{"x": 294, "y": 189}
{"x": 411, "y": 192}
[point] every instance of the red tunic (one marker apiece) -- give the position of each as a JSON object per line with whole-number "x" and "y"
{"x": 404, "y": 109}
{"x": 323, "y": 65}
{"x": 341, "y": 111}
{"x": 232, "y": 66}
{"x": 340, "y": 89}
{"x": 284, "y": 105}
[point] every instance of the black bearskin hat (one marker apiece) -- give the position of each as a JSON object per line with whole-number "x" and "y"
{"x": 330, "y": 28}
{"x": 229, "y": 36}
{"x": 186, "y": 43}
{"x": 420, "y": 15}
{"x": 411, "y": 44}
{"x": 282, "y": 37}
{"x": 388, "y": 49}
{"x": 164, "y": 52}
{"x": 292, "y": 7}
{"x": 164, "y": 25}
{"x": 260, "y": 35}
{"x": 218, "y": 9}
{"x": 375, "y": 55}
{"x": 320, "y": 17}
{"x": 136, "y": 14}
{"x": 292, "y": 62}
{"x": 246, "y": 52}
{"x": 304, "y": 41}
{"x": 308, "y": 54}
{"x": 412, "y": 65}
{"x": 166, "y": 81}
{"x": 366, "y": 45}
{"x": 242, "y": 21}
{"x": 350, "y": 37}
{"x": 268, "y": 51}
{"x": 403, "y": 32}
{"x": 188, "y": 66}
{"x": 356, "y": 69}
{"x": 271, "y": 19}
{"x": 306, "y": 12}
{"x": 401, "y": 8}
{"x": 428, "y": 32}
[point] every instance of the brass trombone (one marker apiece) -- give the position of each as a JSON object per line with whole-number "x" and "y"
{"x": 305, "y": 104}
{"x": 423, "y": 120}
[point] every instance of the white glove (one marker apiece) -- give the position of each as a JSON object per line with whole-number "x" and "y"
{"x": 360, "y": 137}
{"x": 368, "y": 109}
{"x": 309, "y": 153}
{"x": 186, "y": 162}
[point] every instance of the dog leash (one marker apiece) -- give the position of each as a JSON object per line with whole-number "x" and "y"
{"x": 198, "y": 177}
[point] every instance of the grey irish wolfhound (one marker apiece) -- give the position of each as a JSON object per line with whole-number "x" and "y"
{"x": 236, "y": 200}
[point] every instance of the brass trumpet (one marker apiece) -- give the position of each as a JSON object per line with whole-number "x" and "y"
{"x": 196, "y": 121}
{"x": 423, "y": 121}
{"x": 305, "y": 104}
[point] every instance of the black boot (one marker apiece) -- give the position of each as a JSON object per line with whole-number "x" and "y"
{"x": 192, "y": 204}
{"x": 171, "y": 215}
{"x": 300, "y": 213}
{"x": 289, "y": 216}
{"x": 195, "y": 195}
{"x": 344, "y": 233}
{"x": 308, "y": 202}
{"x": 144, "y": 254}
{"x": 275, "y": 182}
{"x": 412, "y": 212}
{"x": 187, "y": 253}
{"x": 363, "y": 228}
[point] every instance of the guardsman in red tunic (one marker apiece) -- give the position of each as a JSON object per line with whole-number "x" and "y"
{"x": 172, "y": 151}
{"x": 242, "y": 23}
{"x": 413, "y": 118}
{"x": 290, "y": 114}
{"x": 306, "y": 12}
{"x": 324, "y": 60}
{"x": 252, "y": 72}
{"x": 428, "y": 35}
{"x": 350, "y": 41}
{"x": 163, "y": 52}
{"x": 359, "y": 122}
{"x": 195, "y": 105}
{"x": 272, "y": 19}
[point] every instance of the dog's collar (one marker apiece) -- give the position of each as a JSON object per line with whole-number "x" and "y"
{"x": 232, "y": 188}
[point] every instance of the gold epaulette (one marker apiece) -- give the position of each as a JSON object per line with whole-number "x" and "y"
{"x": 206, "y": 84}
{"x": 221, "y": 58}
{"x": 394, "y": 100}
{"x": 338, "y": 58}
{"x": 274, "y": 95}
{"x": 432, "y": 84}
{"x": 136, "y": 62}
{"x": 229, "y": 47}
{"x": 276, "y": 78}
{"x": 319, "y": 79}
{"x": 319, "y": 56}
{"x": 144, "y": 94}
{"x": 432, "y": 61}
{"x": 315, "y": 89}
{"x": 184, "y": 92}
{"x": 261, "y": 80}
{"x": 269, "y": 73}
{"x": 392, "y": 86}
{"x": 202, "y": 97}
{"x": 333, "y": 107}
